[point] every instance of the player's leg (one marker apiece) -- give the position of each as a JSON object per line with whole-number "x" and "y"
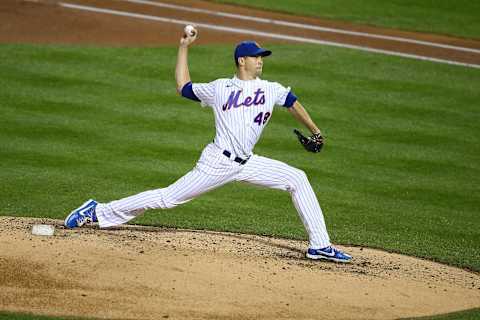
{"x": 278, "y": 175}
{"x": 211, "y": 172}
{"x": 183, "y": 190}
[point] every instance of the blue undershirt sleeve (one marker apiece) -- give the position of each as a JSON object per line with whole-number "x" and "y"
{"x": 188, "y": 93}
{"x": 290, "y": 100}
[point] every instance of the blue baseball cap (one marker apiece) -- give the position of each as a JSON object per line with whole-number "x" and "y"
{"x": 250, "y": 49}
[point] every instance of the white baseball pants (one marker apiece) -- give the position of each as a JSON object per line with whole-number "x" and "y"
{"x": 213, "y": 170}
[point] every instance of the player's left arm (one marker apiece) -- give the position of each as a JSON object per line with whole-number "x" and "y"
{"x": 302, "y": 116}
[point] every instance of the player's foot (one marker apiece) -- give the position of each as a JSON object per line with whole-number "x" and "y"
{"x": 83, "y": 214}
{"x": 328, "y": 253}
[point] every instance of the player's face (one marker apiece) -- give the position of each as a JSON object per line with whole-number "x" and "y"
{"x": 254, "y": 65}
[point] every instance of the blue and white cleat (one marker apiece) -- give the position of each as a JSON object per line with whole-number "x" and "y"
{"x": 83, "y": 214}
{"x": 328, "y": 253}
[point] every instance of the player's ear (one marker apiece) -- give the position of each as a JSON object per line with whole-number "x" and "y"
{"x": 241, "y": 61}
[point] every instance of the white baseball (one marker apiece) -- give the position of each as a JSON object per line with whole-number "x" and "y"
{"x": 189, "y": 30}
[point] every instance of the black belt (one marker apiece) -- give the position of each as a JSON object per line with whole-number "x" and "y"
{"x": 237, "y": 159}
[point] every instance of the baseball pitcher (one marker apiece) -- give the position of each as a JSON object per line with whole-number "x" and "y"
{"x": 243, "y": 106}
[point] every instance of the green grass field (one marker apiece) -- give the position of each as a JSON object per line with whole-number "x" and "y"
{"x": 400, "y": 170}
{"x": 465, "y": 315}
{"x": 21, "y": 316}
{"x": 459, "y": 18}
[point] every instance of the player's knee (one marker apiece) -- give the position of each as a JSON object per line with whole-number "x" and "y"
{"x": 302, "y": 177}
{"x": 163, "y": 199}
{"x": 299, "y": 179}
{"x": 171, "y": 201}
{"x": 169, "y": 205}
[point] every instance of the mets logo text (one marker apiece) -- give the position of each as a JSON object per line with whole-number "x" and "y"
{"x": 257, "y": 99}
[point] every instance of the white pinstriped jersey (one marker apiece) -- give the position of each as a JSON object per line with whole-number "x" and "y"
{"x": 242, "y": 109}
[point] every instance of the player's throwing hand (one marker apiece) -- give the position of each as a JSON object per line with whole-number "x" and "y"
{"x": 190, "y": 33}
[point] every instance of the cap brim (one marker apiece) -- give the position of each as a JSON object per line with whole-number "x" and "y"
{"x": 262, "y": 52}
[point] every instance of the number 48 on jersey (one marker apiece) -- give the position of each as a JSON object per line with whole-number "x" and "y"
{"x": 261, "y": 118}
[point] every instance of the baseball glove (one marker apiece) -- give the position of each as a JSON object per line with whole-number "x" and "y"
{"x": 314, "y": 143}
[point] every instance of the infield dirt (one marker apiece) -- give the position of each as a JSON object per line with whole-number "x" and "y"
{"x": 153, "y": 273}
{"x": 148, "y": 273}
{"x": 46, "y": 21}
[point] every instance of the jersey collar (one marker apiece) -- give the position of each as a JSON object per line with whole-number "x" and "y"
{"x": 240, "y": 83}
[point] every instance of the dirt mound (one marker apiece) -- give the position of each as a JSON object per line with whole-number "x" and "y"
{"x": 153, "y": 273}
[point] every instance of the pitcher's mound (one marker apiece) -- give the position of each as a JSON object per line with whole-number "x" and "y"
{"x": 153, "y": 273}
